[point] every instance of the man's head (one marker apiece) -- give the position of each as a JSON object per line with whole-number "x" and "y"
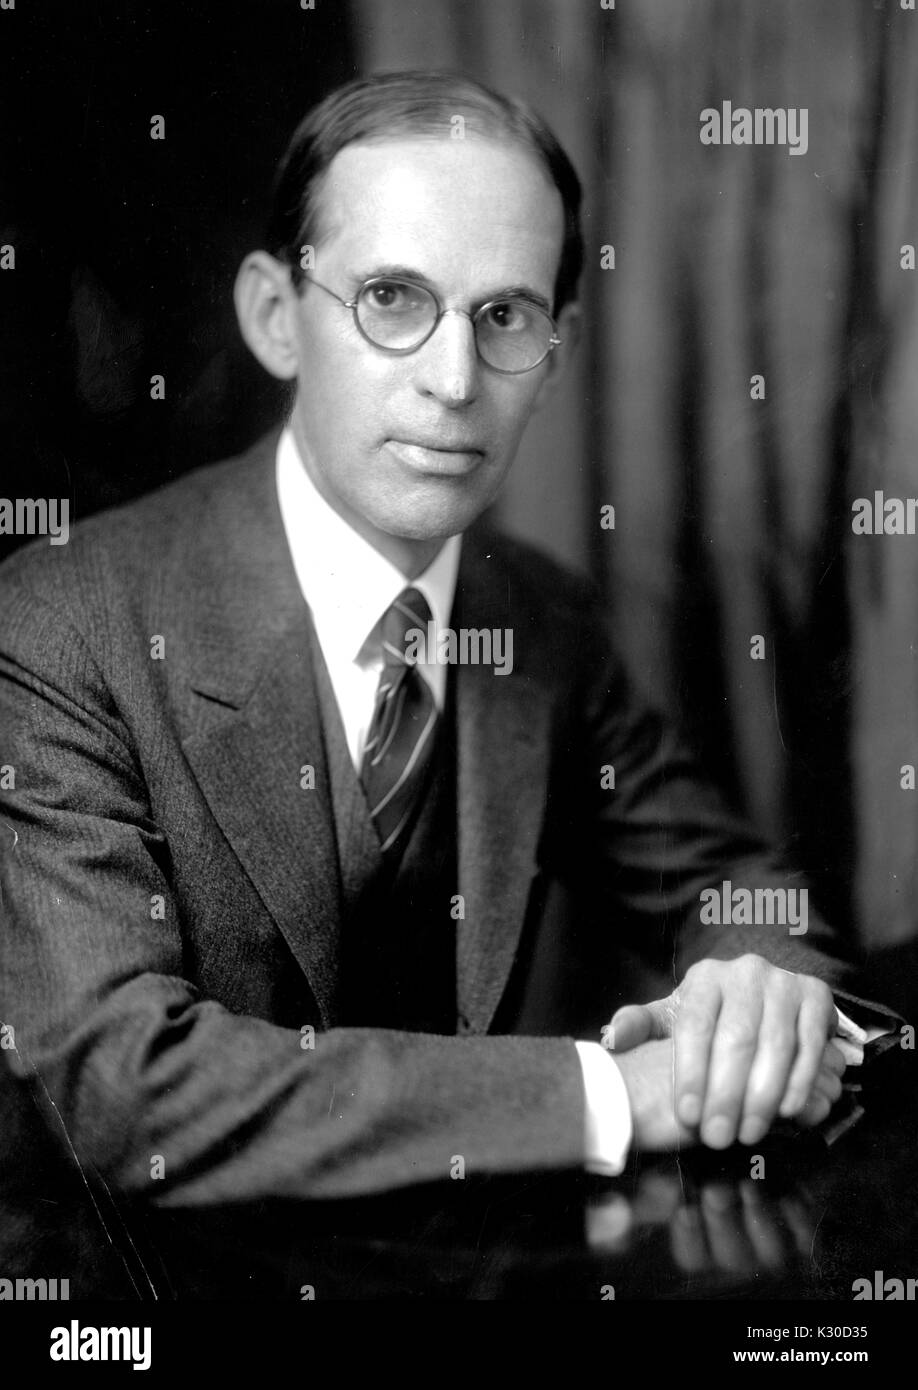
{"x": 432, "y": 180}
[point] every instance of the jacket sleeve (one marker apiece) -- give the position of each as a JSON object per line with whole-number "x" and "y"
{"x": 166, "y": 1094}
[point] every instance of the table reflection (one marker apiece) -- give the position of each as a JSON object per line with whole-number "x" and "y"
{"x": 802, "y": 1217}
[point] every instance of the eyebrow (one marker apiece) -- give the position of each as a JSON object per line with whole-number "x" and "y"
{"x": 405, "y": 272}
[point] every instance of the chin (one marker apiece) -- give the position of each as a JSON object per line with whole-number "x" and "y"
{"x": 430, "y": 524}
{"x": 438, "y": 512}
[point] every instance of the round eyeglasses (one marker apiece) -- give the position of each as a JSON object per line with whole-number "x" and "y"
{"x": 512, "y": 335}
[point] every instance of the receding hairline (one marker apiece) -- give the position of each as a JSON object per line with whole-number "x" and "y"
{"x": 411, "y": 135}
{"x": 413, "y": 105}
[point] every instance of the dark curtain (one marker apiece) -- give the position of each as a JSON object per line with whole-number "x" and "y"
{"x": 733, "y": 507}
{"x": 126, "y": 247}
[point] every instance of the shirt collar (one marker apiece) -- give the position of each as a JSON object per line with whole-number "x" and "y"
{"x": 346, "y": 582}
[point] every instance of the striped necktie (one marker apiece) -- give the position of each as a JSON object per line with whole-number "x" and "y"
{"x": 400, "y": 740}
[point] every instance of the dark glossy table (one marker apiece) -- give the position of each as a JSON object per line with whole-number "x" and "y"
{"x": 801, "y": 1219}
{"x": 687, "y": 1252}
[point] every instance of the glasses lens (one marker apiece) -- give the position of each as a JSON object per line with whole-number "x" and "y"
{"x": 395, "y": 313}
{"x": 513, "y": 335}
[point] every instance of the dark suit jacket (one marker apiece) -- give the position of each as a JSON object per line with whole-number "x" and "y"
{"x": 171, "y": 894}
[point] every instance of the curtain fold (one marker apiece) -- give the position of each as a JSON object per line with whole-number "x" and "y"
{"x": 736, "y": 265}
{"x": 883, "y": 586}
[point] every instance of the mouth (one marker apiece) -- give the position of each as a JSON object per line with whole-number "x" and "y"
{"x": 455, "y": 461}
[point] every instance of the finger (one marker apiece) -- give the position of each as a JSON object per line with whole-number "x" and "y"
{"x": 834, "y": 1059}
{"x": 636, "y": 1024}
{"x": 799, "y": 1222}
{"x": 687, "y": 1240}
{"x": 700, "y": 1003}
{"x": 629, "y": 1027}
{"x": 814, "y": 1022}
{"x": 824, "y": 1092}
{"x": 728, "y": 1242}
{"x": 762, "y": 1227}
{"x": 771, "y": 1067}
{"x": 829, "y": 1085}
{"x": 733, "y": 1050}
{"x": 814, "y": 1111}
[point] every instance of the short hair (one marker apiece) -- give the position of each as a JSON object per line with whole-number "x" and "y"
{"x": 418, "y": 103}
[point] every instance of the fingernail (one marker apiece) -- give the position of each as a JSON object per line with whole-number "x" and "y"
{"x": 690, "y": 1110}
{"x": 718, "y": 1133}
{"x": 752, "y": 1130}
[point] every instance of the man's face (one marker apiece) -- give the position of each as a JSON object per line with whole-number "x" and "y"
{"x": 417, "y": 446}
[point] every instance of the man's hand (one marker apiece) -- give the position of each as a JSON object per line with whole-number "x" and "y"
{"x": 749, "y": 1042}
{"x": 648, "y": 1074}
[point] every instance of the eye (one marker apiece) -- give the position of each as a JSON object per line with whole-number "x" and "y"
{"x": 395, "y": 297}
{"x": 509, "y": 315}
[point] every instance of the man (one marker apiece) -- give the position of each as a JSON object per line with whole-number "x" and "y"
{"x": 280, "y": 901}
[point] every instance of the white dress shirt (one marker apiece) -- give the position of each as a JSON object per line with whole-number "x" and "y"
{"x": 348, "y": 586}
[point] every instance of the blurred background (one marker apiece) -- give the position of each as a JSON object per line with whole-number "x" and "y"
{"x": 733, "y": 514}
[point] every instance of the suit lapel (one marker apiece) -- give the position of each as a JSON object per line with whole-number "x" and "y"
{"x": 257, "y": 723}
{"x": 258, "y": 751}
{"x": 503, "y": 743}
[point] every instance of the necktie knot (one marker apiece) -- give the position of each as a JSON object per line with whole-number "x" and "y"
{"x": 410, "y": 613}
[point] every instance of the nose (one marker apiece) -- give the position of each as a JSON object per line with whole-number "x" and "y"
{"x": 448, "y": 366}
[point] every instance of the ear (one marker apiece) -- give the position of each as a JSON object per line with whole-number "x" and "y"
{"x": 266, "y": 305}
{"x": 570, "y": 322}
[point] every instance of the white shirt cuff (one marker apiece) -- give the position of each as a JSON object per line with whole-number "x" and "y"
{"x": 607, "y": 1111}
{"x": 851, "y": 1038}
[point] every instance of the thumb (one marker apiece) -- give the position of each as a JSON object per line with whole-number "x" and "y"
{"x": 638, "y": 1023}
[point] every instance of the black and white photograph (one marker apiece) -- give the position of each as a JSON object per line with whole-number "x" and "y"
{"x": 459, "y": 670}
